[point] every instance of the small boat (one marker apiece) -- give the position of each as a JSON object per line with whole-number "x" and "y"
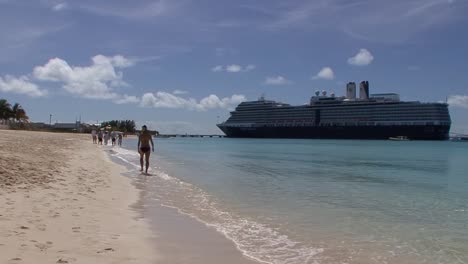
{"x": 462, "y": 138}
{"x": 399, "y": 138}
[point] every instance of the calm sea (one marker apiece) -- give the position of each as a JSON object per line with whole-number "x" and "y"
{"x": 319, "y": 201}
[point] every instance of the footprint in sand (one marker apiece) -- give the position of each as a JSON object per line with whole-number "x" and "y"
{"x": 53, "y": 214}
{"x": 106, "y": 250}
{"x": 44, "y": 246}
{"x": 65, "y": 260}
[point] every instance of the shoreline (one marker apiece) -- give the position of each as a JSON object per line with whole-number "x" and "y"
{"x": 60, "y": 199}
{"x": 180, "y": 237}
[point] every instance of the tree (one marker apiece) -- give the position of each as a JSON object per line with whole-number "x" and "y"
{"x": 5, "y": 109}
{"x": 121, "y": 125}
{"x": 18, "y": 113}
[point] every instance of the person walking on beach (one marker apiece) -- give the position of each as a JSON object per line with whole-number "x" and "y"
{"x": 100, "y": 137}
{"x": 113, "y": 137}
{"x": 106, "y": 137}
{"x": 93, "y": 134}
{"x": 144, "y": 140}
{"x": 120, "y": 139}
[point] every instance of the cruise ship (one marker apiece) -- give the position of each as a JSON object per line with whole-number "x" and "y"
{"x": 376, "y": 116}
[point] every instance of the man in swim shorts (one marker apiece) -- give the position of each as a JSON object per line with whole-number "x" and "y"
{"x": 144, "y": 140}
{"x": 113, "y": 136}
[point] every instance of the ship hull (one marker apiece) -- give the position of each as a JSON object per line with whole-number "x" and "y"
{"x": 426, "y": 132}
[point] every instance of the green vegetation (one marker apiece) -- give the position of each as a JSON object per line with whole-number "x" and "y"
{"x": 127, "y": 126}
{"x": 15, "y": 112}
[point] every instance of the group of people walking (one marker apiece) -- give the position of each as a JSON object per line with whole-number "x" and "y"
{"x": 100, "y": 137}
{"x": 145, "y": 143}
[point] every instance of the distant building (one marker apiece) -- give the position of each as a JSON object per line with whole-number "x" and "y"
{"x": 38, "y": 125}
{"x": 75, "y": 127}
{"x": 67, "y": 126}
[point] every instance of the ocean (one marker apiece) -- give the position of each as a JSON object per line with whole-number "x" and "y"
{"x": 318, "y": 201}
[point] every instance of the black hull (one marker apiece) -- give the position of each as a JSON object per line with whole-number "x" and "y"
{"x": 428, "y": 132}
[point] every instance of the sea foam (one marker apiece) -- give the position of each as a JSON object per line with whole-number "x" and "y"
{"x": 255, "y": 240}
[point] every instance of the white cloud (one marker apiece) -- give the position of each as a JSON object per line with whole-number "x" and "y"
{"x": 97, "y": 81}
{"x": 277, "y": 80}
{"x": 362, "y": 58}
{"x": 179, "y": 92}
{"x": 458, "y": 101}
{"x": 168, "y": 100}
{"x": 325, "y": 73}
{"x": 217, "y": 68}
{"x": 212, "y": 101}
{"x": 233, "y": 68}
{"x": 20, "y": 85}
{"x": 127, "y": 99}
{"x": 60, "y": 6}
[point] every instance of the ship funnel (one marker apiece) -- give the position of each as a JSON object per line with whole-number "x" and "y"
{"x": 364, "y": 90}
{"x": 351, "y": 90}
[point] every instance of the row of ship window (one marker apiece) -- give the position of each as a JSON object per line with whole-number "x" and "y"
{"x": 339, "y": 114}
{"x": 342, "y": 124}
{"x": 346, "y": 108}
{"x": 322, "y": 112}
{"x": 366, "y": 113}
{"x": 384, "y": 117}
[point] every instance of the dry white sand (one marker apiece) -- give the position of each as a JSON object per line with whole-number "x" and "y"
{"x": 63, "y": 201}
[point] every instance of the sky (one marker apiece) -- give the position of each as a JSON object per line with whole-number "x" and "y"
{"x": 180, "y": 66}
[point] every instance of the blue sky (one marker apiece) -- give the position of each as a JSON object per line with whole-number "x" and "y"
{"x": 177, "y": 65}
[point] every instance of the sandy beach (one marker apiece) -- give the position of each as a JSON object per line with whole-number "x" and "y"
{"x": 63, "y": 201}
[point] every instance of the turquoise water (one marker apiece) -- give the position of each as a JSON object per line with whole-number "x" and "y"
{"x": 319, "y": 201}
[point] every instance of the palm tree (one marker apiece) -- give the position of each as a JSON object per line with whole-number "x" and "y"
{"x": 5, "y": 110}
{"x": 18, "y": 113}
